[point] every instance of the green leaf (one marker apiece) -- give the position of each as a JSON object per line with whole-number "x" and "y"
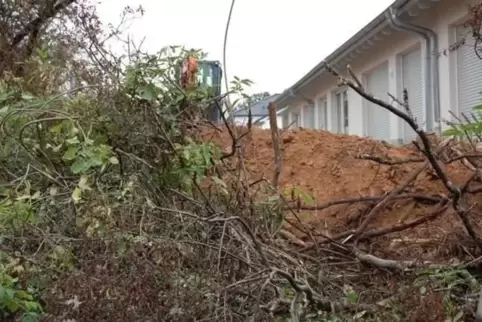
{"x": 273, "y": 198}
{"x": 74, "y": 140}
{"x": 3, "y": 294}
{"x": 80, "y": 165}
{"x": 77, "y": 195}
{"x": 186, "y": 154}
{"x": 27, "y": 96}
{"x": 219, "y": 182}
{"x": 29, "y": 317}
{"x": 12, "y": 305}
{"x": 352, "y": 297}
{"x": 452, "y": 131}
{"x": 70, "y": 154}
{"x": 57, "y": 129}
{"x": 458, "y": 317}
{"x": 477, "y": 107}
{"x": 83, "y": 183}
{"x": 10, "y": 294}
{"x": 23, "y": 295}
{"x": 113, "y": 160}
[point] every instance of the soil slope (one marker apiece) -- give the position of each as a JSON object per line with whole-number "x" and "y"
{"x": 325, "y": 166}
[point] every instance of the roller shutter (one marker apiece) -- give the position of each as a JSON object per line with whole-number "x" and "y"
{"x": 413, "y": 83}
{"x": 377, "y": 118}
{"x": 469, "y": 73}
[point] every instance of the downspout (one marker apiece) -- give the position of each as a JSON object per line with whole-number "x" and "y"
{"x": 432, "y": 70}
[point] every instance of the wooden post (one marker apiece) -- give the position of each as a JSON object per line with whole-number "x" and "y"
{"x": 273, "y": 123}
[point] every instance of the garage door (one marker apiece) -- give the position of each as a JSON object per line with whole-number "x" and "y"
{"x": 412, "y": 82}
{"x": 469, "y": 71}
{"x": 377, "y": 118}
{"x": 309, "y": 116}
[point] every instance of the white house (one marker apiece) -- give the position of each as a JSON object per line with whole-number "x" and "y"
{"x": 259, "y": 114}
{"x": 398, "y": 49}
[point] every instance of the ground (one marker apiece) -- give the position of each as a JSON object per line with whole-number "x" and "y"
{"x": 328, "y": 167}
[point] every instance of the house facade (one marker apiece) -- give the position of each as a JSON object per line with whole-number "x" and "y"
{"x": 402, "y": 48}
{"x": 259, "y": 114}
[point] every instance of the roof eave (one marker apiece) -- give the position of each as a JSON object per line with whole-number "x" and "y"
{"x": 347, "y": 49}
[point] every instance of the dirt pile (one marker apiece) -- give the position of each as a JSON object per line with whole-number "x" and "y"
{"x": 327, "y": 167}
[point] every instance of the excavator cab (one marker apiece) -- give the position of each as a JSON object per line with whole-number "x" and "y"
{"x": 206, "y": 73}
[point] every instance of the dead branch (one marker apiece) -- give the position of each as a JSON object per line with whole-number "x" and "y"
{"x": 393, "y": 264}
{"x": 431, "y": 200}
{"x": 443, "y": 206}
{"x": 234, "y": 138}
{"x": 49, "y": 12}
{"x": 389, "y": 161}
{"x": 359, "y": 231}
{"x": 421, "y": 133}
{"x": 385, "y": 231}
{"x": 317, "y": 300}
{"x": 427, "y": 149}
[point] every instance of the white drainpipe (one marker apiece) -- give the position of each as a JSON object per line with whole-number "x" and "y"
{"x": 431, "y": 72}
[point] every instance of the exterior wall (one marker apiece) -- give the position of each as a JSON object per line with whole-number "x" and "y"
{"x": 243, "y": 120}
{"x": 448, "y": 15}
{"x": 442, "y": 20}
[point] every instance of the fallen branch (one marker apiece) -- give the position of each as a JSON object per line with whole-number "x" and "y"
{"x": 431, "y": 200}
{"x": 318, "y": 301}
{"x": 389, "y": 161}
{"x": 401, "y": 265}
{"x": 398, "y": 228}
{"x": 381, "y": 232}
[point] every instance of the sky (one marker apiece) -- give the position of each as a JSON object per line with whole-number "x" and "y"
{"x": 271, "y": 42}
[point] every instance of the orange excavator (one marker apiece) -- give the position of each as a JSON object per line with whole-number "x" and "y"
{"x": 189, "y": 73}
{"x": 208, "y": 73}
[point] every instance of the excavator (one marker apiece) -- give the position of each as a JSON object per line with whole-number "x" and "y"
{"x": 207, "y": 73}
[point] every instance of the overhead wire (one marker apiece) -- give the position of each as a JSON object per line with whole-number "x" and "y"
{"x": 230, "y": 108}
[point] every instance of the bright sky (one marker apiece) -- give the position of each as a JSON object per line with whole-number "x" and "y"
{"x": 271, "y": 42}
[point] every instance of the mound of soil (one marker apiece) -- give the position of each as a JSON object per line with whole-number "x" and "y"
{"x": 325, "y": 166}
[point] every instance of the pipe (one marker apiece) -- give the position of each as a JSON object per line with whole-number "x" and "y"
{"x": 432, "y": 71}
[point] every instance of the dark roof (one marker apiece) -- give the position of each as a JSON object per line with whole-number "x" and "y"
{"x": 257, "y": 109}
